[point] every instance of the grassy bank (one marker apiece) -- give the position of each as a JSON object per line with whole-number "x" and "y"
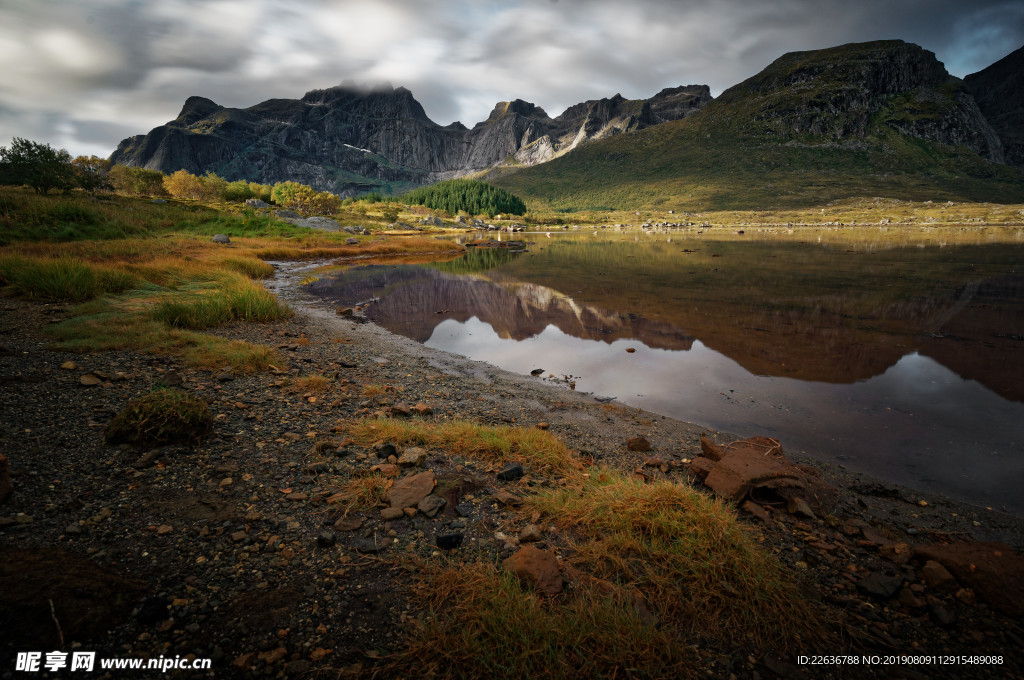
{"x": 146, "y": 276}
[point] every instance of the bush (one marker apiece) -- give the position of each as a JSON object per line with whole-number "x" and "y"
{"x": 164, "y": 416}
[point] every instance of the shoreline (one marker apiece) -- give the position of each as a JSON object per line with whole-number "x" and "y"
{"x": 199, "y": 549}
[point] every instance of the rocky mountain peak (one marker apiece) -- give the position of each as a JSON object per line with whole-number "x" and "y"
{"x": 999, "y": 91}
{"x": 195, "y": 109}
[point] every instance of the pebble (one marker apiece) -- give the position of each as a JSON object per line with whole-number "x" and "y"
{"x": 511, "y": 472}
{"x": 449, "y": 541}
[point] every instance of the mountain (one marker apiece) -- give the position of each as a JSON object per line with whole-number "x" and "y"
{"x": 867, "y": 119}
{"x": 999, "y": 91}
{"x": 348, "y": 141}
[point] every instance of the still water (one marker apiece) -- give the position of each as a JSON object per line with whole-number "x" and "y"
{"x": 905, "y": 361}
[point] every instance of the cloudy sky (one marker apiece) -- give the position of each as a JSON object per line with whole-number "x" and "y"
{"x": 83, "y": 74}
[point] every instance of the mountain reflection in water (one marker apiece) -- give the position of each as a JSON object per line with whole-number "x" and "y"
{"x": 906, "y": 363}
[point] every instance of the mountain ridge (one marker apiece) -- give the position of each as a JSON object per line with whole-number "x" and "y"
{"x": 347, "y": 140}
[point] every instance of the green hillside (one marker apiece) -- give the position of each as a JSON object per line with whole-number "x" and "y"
{"x": 871, "y": 119}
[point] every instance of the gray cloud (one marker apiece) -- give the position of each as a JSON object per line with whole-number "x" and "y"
{"x": 83, "y": 75}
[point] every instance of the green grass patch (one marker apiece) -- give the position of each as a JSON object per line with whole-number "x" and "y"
{"x": 64, "y": 279}
{"x": 238, "y": 301}
{"x": 164, "y": 416}
{"x": 697, "y": 567}
{"x": 538, "y": 448}
{"x": 484, "y": 624}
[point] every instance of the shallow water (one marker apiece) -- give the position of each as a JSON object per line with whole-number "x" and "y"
{"x": 903, "y": 362}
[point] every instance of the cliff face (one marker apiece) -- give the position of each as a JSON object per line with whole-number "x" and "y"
{"x": 846, "y": 93}
{"x": 999, "y": 91}
{"x": 349, "y": 141}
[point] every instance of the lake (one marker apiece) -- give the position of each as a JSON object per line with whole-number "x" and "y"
{"x": 904, "y": 360}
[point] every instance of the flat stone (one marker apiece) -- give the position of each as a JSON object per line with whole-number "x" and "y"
{"x": 638, "y": 444}
{"x": 798, "y": 506}
{"x": 69, "y": 365}
{"x": 409, "y": 491}
{"x": 537, "y": 569}
{"x": 431, "y": 505}
{"x": 326, "y": 539}
{"x": 402, "y": 410}
{"x": 511, "y": 472}
{"x": 387, "y": 469}
{"x": 89, "y": 380}
{"x": 757, "y": 510}
{"x": 507, "y": 498}
{"x": 348, "y": 523}
{"x": 147, "y": 459}
{"x": 422, "y": 409}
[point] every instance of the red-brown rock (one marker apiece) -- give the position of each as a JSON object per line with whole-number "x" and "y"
{"x": 993, "y": 570}
{"x": 409, "y": 491}
{"x": 536, "y": 568}
{"x": 638, "y": 444}
{"x": 743, "y": 466}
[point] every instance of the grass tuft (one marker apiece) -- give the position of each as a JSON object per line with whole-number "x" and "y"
{"x": 686, "y": 553}
{"x": 164, "y": 416}
{"x": 459, "y": 437}
{"x": 64, "y": 279}
{"x": 485, "y": 625}
{"x": 361, "y": 493}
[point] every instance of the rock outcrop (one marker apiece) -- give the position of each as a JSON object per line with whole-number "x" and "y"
{"x": 999, "y": 91}
{"x": 349, "y": 141}
{"x": 841, "y": 92}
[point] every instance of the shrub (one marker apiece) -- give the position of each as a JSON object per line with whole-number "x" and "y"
{"x": 164, "y": 416}
{"x": 134, "y": 181}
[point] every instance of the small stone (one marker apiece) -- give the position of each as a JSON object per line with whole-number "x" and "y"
{"x": 343, "y": 311}
{"x": 89, "y": 380}
{"x": 531, "y": 533}
{"x": 402, "y": 410}
{"x": 880, "y": 585}
{"x": 164, "y": 529}
{"x": 449, "y": 541}
{"x": 318, "y": 466}
{"x": 348, "y": 523}
{"x": 297, "y": 496}
{"x": 147, "y": 459}
{"x": 238, "y": 536}
{"x": 73, "y": 529}
{"x": 511, "y": 472}
{"x": 413, "y": 456}
{"x": 387, "y": 469}
{"x": 909, "y": 599}
{"x": 220, "y": 238}
{"x": 69, "y": 365}
{"x": 326, "y": 539}
{"x": 409, "y": 491}
{"x": 410, "y": 512}
{"x": 631, "y": 350}
{"x": 507, "y": 498}
{"x": 386, "y": 450}
{"x": 638, "y": 444}
{"x": 757, "y": 510}
{"x": 388, "y": 514}
{"x": 464, "y": 509}
{"x": 542, "y": 426}
{"x": 938, "y": 577}
{"x": 422, "y": 409}
{"x": 430, "y": 505}
{"x": 227, "y": 481}
{"x": 370, "y": 545}
{"x": 226, "y": 376}
{"x": 798, "y": 506}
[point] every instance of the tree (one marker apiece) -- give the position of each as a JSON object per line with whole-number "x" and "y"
{"x": 134, "y": 181}
{"x": 91, "y": 173}
{"x": 39, "y": 166}
{"x": 182, "y": 184}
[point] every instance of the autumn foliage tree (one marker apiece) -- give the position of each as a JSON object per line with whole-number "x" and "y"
{"x": 134, "y": 181}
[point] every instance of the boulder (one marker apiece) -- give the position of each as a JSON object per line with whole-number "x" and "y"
{"x": 220, "y": 238}
{"x": 256, "y": 203}
{"x": 638, "y": 444}
{"x": 287, "y": 215}
{"x": 319, "y": 223}
{"x": 537, "y": 569}
{"x": 757, "y": 466}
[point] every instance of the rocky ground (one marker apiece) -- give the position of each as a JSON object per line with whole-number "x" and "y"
{"x": 231, "y": 549}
